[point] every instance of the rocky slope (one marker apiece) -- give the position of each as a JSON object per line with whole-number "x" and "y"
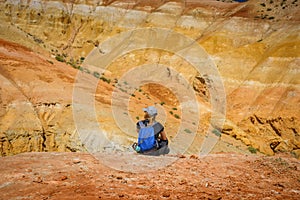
{"x": 254, "y": 45}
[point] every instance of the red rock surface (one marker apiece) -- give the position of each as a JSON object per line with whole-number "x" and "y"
{"x": 216, "y": 176}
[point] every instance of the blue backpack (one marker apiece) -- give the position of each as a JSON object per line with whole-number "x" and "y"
{"x": 146, "y": 139}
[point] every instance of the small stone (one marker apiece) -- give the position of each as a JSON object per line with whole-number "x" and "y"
{"x": 63, "y": 178}
{"x": 75, "y": 161}
{"x": 182, "y": 156}
{"x": 194, "y": 157}
{"x": 166, "y": 194}
{"x": 38, "y": 180}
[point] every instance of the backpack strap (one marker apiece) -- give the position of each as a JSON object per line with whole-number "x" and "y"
{"x": 141, "y": 124}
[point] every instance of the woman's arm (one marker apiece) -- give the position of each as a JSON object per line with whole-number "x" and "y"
{"x": 163, "y": 135}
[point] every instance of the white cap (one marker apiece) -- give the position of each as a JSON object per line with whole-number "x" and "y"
{"x": 151, "y": 110}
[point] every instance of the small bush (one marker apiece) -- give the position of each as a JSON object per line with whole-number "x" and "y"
{"x": 60, "y": 58}
{"x": 137, "y": 117}
{"x": 133, "y": 95}
{"x": 216, "y": 132}
{"x": 96, "y": 74}
{"x": 105, "y": 79}
{"x": 162, "y": 103}
{"x": 123, "y": 90}
{"x": 177, "y": 116}
{"x": 174, "y": 108}
{"x": 252, "y": 149}
{"x": 187, "y": 130}
{"x": 73, "y": 64}
{"x": 171, "y": 112}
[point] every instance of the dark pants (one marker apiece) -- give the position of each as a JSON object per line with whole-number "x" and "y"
{"x": 161, "y": 150}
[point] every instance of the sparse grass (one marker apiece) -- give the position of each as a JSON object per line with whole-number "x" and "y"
{"x": 281, "y": 161}
{"x": 73, "y": 64}
{"x": 86, "y": 70}
{"x": 123, "y": 90}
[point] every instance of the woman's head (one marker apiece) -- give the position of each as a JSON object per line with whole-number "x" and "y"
{"x": 150, "y": 112}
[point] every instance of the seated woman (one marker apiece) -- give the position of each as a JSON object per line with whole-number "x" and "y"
{"x": 161, "y": 146}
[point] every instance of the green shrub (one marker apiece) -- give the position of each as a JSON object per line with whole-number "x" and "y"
{"x": 177, "y": 116}
{"x": 105, "y": 79}
{"x": 162, "y": 103}
{"x": 171, "y": 112}
{"x": 60, "y": 58}
{"x": 187, "y": 130}
{"x": 252, "y": 149}
{"x": 174, "y": 108}
{"x": 73, "y": 64}
{"x": 216, "y": 132}
{"x": 123, "y": 90}
{"x": 96, "y": 74}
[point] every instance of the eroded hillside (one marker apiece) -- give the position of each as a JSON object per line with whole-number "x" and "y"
{"x": 254, "y": 46}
